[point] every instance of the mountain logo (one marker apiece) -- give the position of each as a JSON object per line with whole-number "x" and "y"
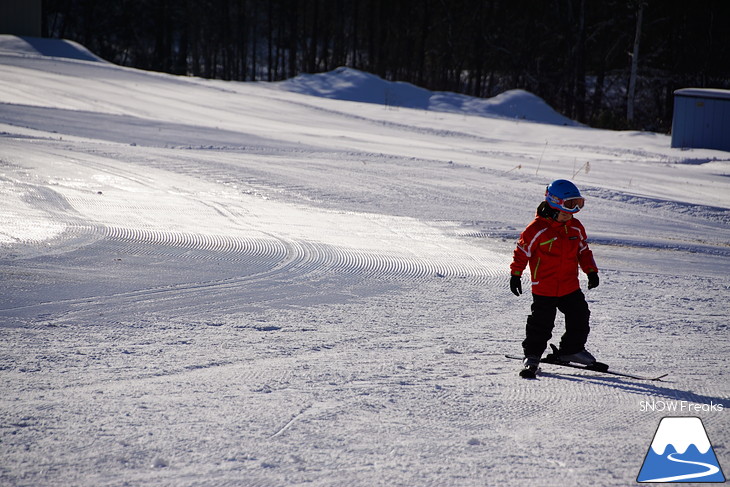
{"x": 680, "y": 452}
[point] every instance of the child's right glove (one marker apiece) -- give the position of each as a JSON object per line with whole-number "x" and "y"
{"x": 593, "y": 280}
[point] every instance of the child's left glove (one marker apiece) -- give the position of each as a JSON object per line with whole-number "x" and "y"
{"x": 515, "y": 285}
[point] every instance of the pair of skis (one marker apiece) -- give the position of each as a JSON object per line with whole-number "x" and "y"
{"x": 529, "y": 373}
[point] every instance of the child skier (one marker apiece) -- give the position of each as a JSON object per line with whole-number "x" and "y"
{"x": 554, "y": 245}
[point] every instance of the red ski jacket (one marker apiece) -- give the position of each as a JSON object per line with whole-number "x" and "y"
{"x": 554, "y": 251}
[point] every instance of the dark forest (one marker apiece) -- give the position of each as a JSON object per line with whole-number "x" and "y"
{"x": 607, "y": 63}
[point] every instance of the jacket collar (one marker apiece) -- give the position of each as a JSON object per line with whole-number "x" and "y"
{"x": 554, "y": 223}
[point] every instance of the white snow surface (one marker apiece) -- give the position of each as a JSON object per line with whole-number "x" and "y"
{"x": 219, "y": 283}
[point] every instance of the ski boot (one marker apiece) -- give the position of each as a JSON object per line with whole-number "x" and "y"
{"x": 582, "y": 357}
{"x": 529, "y": 367}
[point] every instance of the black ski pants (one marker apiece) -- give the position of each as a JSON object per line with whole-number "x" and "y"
{"x": 540, "y": 323}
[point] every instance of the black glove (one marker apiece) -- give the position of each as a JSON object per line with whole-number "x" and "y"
{"x": 515, "y": 285}
{"x": 593, "y": 280}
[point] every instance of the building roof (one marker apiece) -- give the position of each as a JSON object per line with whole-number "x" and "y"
{"x": 704, "y": 93}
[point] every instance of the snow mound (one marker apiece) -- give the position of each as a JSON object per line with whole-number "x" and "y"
{"x": 352, "y": 85}
{"x": 36, "y": 46}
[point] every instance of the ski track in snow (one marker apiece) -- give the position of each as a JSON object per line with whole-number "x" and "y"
{"x": 208, "y": 283}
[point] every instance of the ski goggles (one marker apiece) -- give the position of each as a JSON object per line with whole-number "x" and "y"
{"x": 568, "y": 205}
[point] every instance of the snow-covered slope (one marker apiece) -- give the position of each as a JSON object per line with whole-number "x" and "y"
{"x": 217, "y": 283}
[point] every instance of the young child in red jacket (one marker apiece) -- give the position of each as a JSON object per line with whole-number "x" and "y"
{"x": 555, "y": 245}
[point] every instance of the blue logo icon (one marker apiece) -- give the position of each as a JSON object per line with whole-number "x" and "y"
{"x": 681, "y": 452}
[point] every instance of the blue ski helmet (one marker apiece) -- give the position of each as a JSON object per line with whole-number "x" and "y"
{"x": 562, "y": 195}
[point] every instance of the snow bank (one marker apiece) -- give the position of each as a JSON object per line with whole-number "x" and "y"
{"x": 353, "y": 85}
{"x": 36, "y": 46}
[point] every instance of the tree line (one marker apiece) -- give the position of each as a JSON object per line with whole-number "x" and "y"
{"x": 606, "y": 63}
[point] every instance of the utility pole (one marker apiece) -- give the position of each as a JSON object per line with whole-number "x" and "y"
{"x": 634, "y": 63}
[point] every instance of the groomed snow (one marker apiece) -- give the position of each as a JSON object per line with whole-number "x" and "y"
{"x": 218, "y": 283}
